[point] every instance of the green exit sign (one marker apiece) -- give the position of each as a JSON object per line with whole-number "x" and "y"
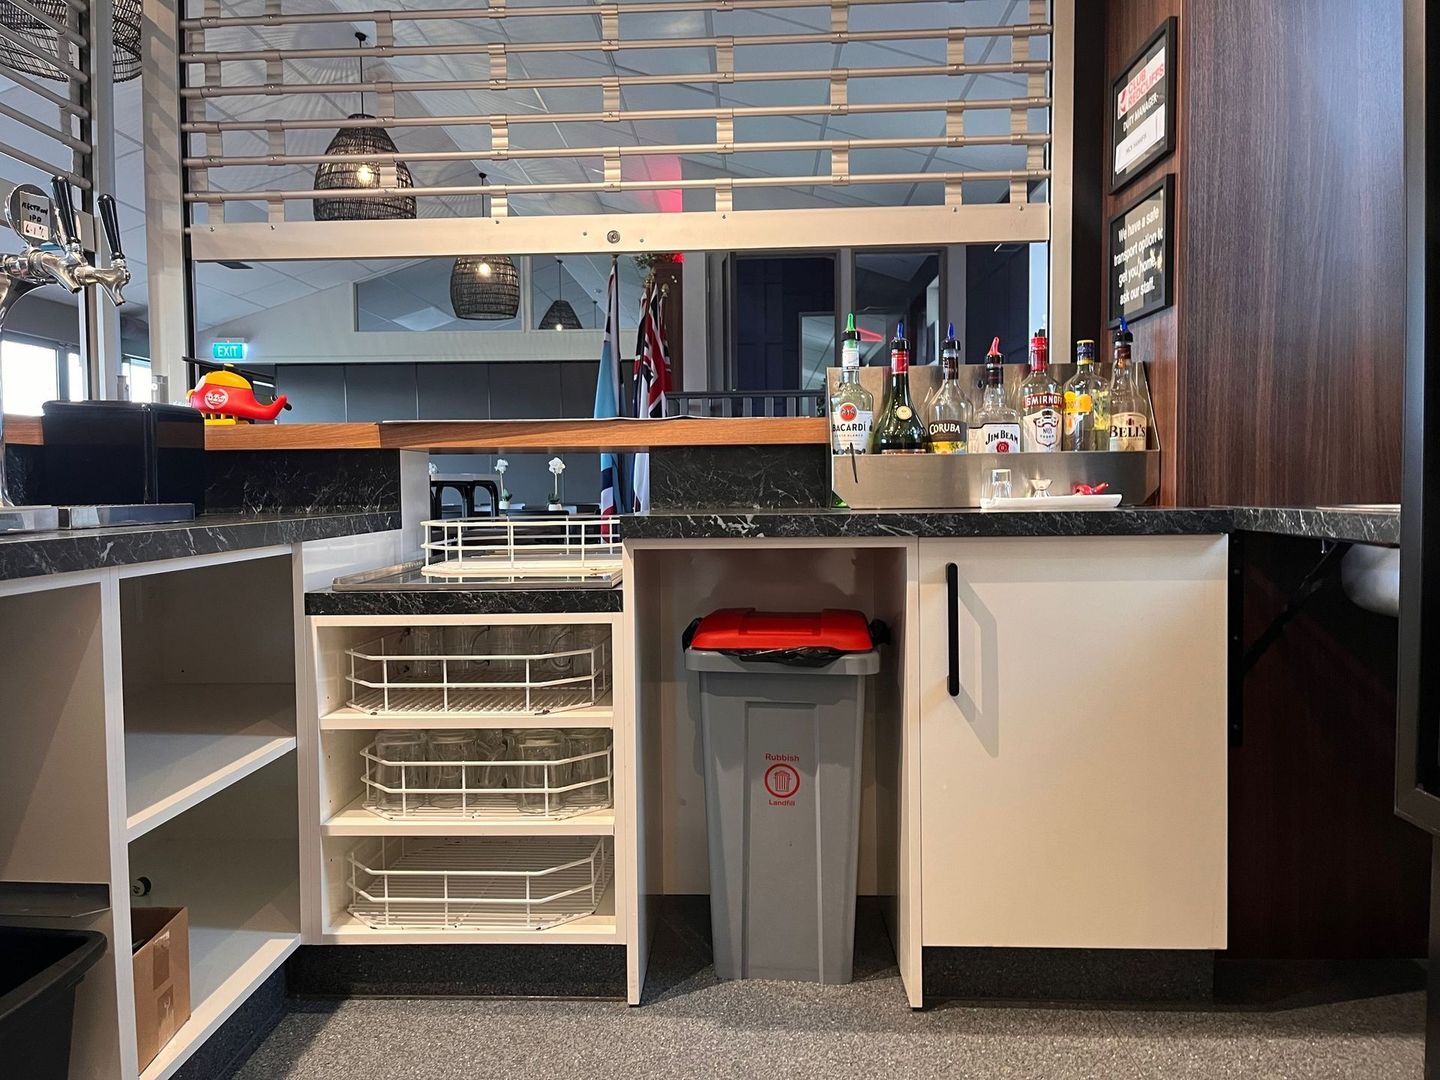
{"x": 227, "y": 351}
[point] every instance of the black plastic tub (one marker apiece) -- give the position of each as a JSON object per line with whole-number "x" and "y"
{"x": 39, "y": 971}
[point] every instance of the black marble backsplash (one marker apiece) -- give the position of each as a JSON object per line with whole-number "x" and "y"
{"x": 307, "y": 481}
{"x": 743, "y": 477}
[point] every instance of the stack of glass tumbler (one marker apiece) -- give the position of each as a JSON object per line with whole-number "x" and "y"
{"x": 464, "y": 770}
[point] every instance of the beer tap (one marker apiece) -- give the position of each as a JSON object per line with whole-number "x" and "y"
{"x": 53, "y": 254}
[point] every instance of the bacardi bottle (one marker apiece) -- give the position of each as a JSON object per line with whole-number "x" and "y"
{"x": 852, "y": 407}
{"x": 1129, "y": 427}
{"x": 948, "y": 411}
{"x": 1082, "y": 398}
{"x": 1040, "y": 416}
{"x": 996, "y": 428}
{"x": 898, "y": 429}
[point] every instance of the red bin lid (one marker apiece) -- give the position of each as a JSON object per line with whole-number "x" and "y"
{"x": 746, "y": 628}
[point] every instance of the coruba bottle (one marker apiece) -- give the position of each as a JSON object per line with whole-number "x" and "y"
{"x": 948, "y": 410}
{"x": 1040, "y": 415}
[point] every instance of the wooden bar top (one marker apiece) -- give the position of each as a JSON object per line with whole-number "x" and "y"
{"x": 495, "y": 436}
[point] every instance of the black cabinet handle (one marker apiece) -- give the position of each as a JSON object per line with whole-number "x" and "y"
{"x": 952, "y": 620}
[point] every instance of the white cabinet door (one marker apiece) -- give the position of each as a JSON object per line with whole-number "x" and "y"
{"x": 1073, "y": 787}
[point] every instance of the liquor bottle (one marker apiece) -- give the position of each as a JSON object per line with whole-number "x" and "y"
{"x": 1040, "y": 401}
{"x": 996, "y": 427}
{"x": 1129, "y": 429}
{"x": 948, "y": 410}
{"x": 898, "y": 429}
{"x": 1082, "y": 397}
{"x": 852, "y": 407}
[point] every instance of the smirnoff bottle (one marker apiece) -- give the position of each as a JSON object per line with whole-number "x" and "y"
{"x": 898, "y": 429}
{"x": 996, "y": 428}
{"x": 948, "y": 410}
{"x": 1129, "y": 429}
{"x": 852, "y": 407}
{"x": 1040, "y": 399}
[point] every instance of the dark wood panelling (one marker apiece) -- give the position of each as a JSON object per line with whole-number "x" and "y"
{"x": 1291, "y": 296}
{"x": 1128, "y": 24}
{"x": 1320, "y": 866}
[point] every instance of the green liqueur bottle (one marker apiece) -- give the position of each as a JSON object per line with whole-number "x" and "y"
{"x": 898, "y": 429}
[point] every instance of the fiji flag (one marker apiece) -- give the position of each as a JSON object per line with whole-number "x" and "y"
{"x": 607, "y": 390}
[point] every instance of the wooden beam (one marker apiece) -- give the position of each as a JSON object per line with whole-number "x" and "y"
{"x": 495, "y": 436}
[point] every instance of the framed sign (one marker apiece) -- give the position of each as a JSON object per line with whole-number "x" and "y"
{"x": 1142, "y": 108}
{"x": 1141, "y": 273}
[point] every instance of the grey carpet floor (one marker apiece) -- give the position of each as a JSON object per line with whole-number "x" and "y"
{"x": 696, "y": 1026}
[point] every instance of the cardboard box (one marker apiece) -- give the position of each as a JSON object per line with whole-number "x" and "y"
{"x": 160, "y": 938}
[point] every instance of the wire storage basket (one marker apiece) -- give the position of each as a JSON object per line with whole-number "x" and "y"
{"x": 524, "y": 670}
{"x": 561, "y": 546}
{"x": 479, "y": 775}
{"x": 477, "y": 883}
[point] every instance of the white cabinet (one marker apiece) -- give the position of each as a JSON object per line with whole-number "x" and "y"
{"x": 1073, "y": 788}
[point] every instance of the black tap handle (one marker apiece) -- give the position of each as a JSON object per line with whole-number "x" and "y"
{"x": 108, "y": 218}
{"x": 64, "y": 211}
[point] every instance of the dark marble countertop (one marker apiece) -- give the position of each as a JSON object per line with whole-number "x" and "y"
{"x": 64, "y": 551}
{"x": 1352, "y": 525}
{"x": 762, "y": 524}
{"x": 1358, "y": 526}
{"x": 467, "y": 601}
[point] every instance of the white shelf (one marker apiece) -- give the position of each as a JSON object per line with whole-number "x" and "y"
{"x": 600, "y": 928}
{"x": 183, "y": 743}
{"x": 600, "y": 715}
{"x": 226, "y": 966}
{"x": 355, "y": 820}
{"x": 242, "y": 907}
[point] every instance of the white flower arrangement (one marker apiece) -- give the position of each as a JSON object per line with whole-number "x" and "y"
{"x": 500, "y": 466}
{"x": 557, "y": 466}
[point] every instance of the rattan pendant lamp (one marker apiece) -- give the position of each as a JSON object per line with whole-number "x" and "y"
{"x": 124, "y": 54}
{"x": 484, "y": 287}
{"x": 362, "y": 142}
{"x": 560, "y": 315}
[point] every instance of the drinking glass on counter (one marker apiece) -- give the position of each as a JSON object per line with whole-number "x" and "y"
{"x": 594, "y": 771}
{"x": 1000, "y": 484}
{"x": 538, "y": 782}
{"x": 394, "y": 751}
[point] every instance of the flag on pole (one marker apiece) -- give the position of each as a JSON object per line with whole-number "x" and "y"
{"x": 652, "y": 380}
{"x": 607, "y": 390}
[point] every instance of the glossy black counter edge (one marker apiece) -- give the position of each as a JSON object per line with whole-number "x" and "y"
{"x": 1126, "y": 521}
{"x": 463, "y": 602}
{"x": 24, "y": 555}
{"x": 1353, "y": 526}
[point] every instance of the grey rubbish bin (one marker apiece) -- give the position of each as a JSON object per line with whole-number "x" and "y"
{"x": 782, "y": 798}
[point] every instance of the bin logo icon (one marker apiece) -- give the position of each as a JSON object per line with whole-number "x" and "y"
{"x": 782, "y": 781}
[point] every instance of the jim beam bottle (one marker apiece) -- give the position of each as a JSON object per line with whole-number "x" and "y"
{"x": 1082, "y": 400}
{"x": 1040, "y": 415}
{"x": 852, "y": 407}
{"x": 1129, "y": 428}
{"x": 996, "y": 428}
{"x": 898, "y": 429}
{"x": 948, "y": 411}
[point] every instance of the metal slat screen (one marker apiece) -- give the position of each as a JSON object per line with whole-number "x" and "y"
{"x": 611, "y": 108}
{"x": 45, "y": 67}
